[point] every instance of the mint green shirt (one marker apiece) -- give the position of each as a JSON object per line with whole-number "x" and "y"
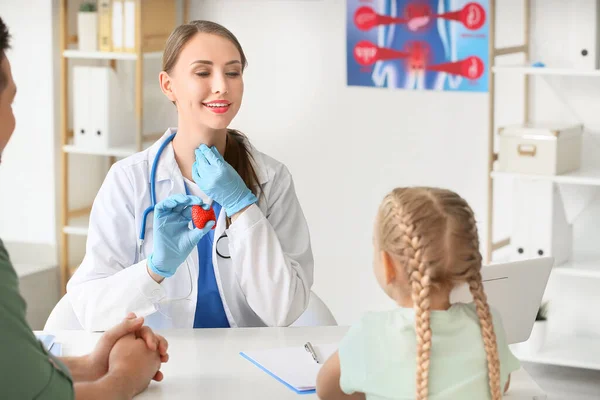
{"x": 27, "y": 371}
{"x": 378, "y": 355}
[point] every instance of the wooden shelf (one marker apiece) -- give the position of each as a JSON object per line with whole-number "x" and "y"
{"x": 571, "y": 351}
{"x": 585, "y": 176}
{"x": 529, "y": 70}
{"x": 105, "y": 55}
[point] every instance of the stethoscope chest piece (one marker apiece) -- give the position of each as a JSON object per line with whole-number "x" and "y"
{"x": 222, "y": 247}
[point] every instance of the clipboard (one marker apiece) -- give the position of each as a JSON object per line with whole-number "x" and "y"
{"x": 56, "y": 349}
{"x": 294, "y": 367}
{"x": 47, "y": 340}
{"x": 50, "y": 345}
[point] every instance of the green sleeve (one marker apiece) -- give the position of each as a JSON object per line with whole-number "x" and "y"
{"x": 353, "y": 359}
{"x": 27, "y": 371}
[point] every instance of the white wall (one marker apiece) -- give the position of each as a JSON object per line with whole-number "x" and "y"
{"x": 346, "y": 147}
{"x": 27, "y": 173}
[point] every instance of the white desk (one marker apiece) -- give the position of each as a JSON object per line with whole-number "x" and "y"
{"x": 205, "y": 363}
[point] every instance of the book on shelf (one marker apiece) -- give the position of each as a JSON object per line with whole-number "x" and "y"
{"x": 117, "y": 30}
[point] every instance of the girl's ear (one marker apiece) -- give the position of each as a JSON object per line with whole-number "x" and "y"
{"x": 166, "y": 85}
{"x": 389, "y": 267}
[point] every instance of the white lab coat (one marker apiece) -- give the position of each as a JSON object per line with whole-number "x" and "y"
{"x": 266, "y": 282}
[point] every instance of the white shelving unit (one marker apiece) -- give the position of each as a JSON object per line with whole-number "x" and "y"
{"x": 576, "y": 351}
{"x": 570, "y": 350}
{"x": 74, "y": 222}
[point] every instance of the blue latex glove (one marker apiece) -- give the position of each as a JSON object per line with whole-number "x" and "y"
{"x": 173, "y": 238}
{"x": 220, "y": 181}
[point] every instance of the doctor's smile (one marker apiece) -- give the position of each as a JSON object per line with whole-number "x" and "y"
{"x": 217, "y": 106}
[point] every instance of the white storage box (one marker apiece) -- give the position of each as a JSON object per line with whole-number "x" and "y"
{"x": 540, "y": 149}
{"x": 102, "y": 118}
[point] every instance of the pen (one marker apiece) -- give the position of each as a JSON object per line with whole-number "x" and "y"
{"x": 311, "y": 350}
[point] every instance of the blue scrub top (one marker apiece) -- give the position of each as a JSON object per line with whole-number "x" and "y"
{"x": 210, "y": 312}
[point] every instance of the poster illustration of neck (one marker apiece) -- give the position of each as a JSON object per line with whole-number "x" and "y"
{"x": 418, "y": 44}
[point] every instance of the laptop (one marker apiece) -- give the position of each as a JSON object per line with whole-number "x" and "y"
{"x": 515, "y": 290}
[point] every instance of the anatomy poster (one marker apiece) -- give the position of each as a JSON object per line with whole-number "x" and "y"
{"x": 418, "y": 44}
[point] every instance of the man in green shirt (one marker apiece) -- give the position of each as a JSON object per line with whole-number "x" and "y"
{"x": 126, "y": 357}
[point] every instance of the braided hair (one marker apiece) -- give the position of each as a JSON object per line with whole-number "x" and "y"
{"x": 432, "y": 233}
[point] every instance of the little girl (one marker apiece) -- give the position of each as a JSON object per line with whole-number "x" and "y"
{"x": 426, "y": 243}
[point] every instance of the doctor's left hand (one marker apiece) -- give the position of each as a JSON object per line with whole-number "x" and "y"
{"x": 97, "y": 360}
{"x": 220, "y": 181}
{"x": 173, "y": 238}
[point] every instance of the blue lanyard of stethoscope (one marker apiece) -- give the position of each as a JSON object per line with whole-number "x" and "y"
{"x": 152, "y": 191}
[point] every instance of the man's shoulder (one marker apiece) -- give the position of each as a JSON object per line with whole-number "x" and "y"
{"x": 3, "y": 252}
{"x": 7, "y": 271}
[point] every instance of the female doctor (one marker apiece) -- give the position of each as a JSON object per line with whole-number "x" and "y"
{"x": 254, "y": 269}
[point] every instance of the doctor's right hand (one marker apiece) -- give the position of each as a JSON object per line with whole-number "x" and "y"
{"x": 173, "y": 238}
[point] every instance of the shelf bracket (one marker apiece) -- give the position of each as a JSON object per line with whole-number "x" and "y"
{"x": 510, "y": 50}
{"x": 79, "y": 212}
{"x": 500, "y": 244}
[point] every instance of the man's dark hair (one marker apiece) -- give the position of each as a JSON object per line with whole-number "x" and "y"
{"x": 4, "y": 45}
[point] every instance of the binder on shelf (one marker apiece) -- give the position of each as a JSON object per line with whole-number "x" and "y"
{"x": 82, "y": 106}
{"x": 117, "y": 25}
{"x": 159, "y": 19}
{"x": 104, "y": 25}
{"x": 101, "y": 117}
{"x": 129, "y": 26}
{"x": 583, "y": 30}
{"x": 540, "y": 227}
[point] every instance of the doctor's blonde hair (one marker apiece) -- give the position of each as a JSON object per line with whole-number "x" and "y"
{"x": 237, "y": 151}
{"x": 432, "y": 233}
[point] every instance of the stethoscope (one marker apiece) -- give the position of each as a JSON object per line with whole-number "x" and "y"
{"x": 151, "y": 209}
{"x": 222, "y": 249}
